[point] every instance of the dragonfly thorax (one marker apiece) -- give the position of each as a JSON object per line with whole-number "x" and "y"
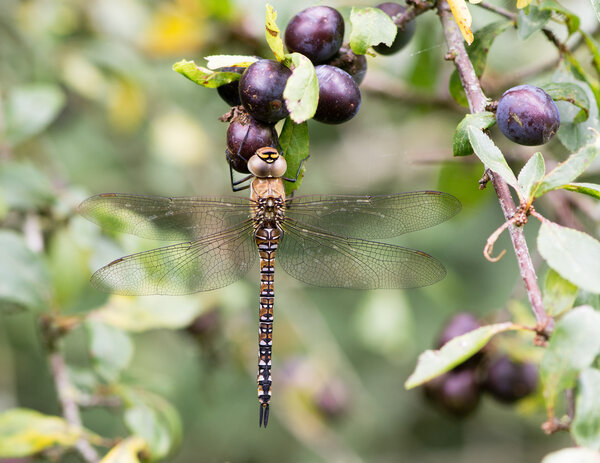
{"x": 269, "y": 212}
{"x": 267, "y": 162}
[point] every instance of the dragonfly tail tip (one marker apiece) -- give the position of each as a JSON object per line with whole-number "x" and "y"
{"x": 263, "y": 415}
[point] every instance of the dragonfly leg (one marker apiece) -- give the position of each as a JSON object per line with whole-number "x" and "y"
{"x": 234, "y": 185}
{"x": 292, "y": 180}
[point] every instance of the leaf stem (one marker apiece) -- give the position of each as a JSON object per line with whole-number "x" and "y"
{"x": 477, "y": 103}
{"x": 415, "y": 8}
{"x": 66, "y": 396}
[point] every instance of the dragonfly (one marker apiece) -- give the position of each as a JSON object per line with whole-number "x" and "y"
{"x": 320, "y": 240}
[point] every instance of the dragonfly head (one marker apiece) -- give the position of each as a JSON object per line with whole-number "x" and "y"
{"x": 267, "y": 162}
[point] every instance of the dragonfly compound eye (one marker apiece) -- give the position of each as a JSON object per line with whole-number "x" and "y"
{"x": 267, "y": 163}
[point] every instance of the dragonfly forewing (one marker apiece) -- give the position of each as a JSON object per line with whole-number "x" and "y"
{"x": 322, "y": 259}
{"x": 373, "y": 217}
{"x": 163, "y": 218}
{"x": 202, "y": 265}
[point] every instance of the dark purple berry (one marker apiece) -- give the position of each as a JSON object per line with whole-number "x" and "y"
{"x": 244, "y": 136}
{"x": 527, "y": 115}
{"x": 316, "y": 32}
{"x": 456, "y": 392}
{"x": 353, "y": 64}
{"x": 333, "y": 399}
{"x": 509, "y": 381}
{"x": 403, "y": 36}
{"x": 230, "y": 92}
{"x": 261, "y": 90}
{"x": 339, "y": 96}
{"x": 460, "y": 323}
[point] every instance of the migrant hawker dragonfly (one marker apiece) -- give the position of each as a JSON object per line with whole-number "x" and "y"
{"x": 320, "y": 240}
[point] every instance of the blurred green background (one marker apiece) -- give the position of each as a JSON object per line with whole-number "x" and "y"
{"x": 91, "y": 105}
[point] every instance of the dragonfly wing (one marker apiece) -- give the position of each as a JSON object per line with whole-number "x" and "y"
{"x": 201, "y": 265}
{"x": 322, "y": 259}
{"x": 162, "y": 218}
{"x": 374, "y": 216}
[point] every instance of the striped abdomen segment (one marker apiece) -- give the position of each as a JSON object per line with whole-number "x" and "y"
{"x": 267, "y": 240}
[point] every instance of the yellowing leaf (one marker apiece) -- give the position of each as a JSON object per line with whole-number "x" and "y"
{"x": 126, "y": 451}
{"x": 463, "y": 18}
{"x": 523, "y": 3}
{"x": 272, "y": 34}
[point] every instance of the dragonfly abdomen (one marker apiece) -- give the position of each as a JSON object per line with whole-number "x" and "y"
{"x": 267, "y": 241}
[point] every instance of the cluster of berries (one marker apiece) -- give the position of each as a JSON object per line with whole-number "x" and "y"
{"x": 458, "y": 391}
{"x": 317, "y": 33}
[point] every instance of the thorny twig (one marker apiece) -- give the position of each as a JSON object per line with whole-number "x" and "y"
{"x": 477, "y": 103}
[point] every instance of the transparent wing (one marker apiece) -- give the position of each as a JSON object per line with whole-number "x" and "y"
{"x": 374, "y": 216}
{"x": 321, "y": 259}
{"x": 209, "y": 263}
{"x": 171, "y": 219}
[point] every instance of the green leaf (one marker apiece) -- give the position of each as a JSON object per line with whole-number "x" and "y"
{"x": 573, "y": 254}
{"x": 571, "y": 93}
{"x": 460, "y": 144}
{"x": 294, "y": 145}
{"x": 145, "y": 314}
{"x": 126, "y": 451}
{"x": 478, "y": 52}
{"x": 590, "y": 189}
{"x": 24, "y": 279}
{"x": 573, "y": 455}
{"x": 491, "y": 156}
{"x": 433, "y": 363}
{"x": 531, "y": 21}
{"x": 302, "y": 89}
{"x": 272, "y": 34}
{"x": 586, "y": 425}
{"x": 152, "y": 418}
{"x": 214, "y": 62}
{"x": 559, "y": 294}
{"x": 26, "y": 432}
{"x": 572, "y": 20}
{"x": 573, "y": 346}
{"x": 111, "y": 350}
{"x": 29, "y": 109}
{"x": 570, "y": 169}
{"x": 531, "y": 173}
{"x": 572, "y": 133}
{"x": 369, "y": 27}
{"x": 592, "y": 46}
{"x": 202, "y": 76}
{"x": 24, "y": 187}
{"x": 596, "y": 5}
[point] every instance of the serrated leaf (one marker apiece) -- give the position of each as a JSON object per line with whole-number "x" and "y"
{"x": 478, "y": 53}
{"x": 29, "y": 109}
{"x": 272, "y": 34}
{"x": 463, "y": 18}
{"x": 570, "y": 169}
{"x": 24, "y": 279}
{"x": 214, "y": 62}
{"x": 202, "y": 76}
{"x": 460, "y": 143}
{"x": 491, "y": 156}
{"x": 26, "y": 432}
{"x": 294, "y": 145}
{"x": 571, "y": 93}
{"x": 301, "y": 91}
{"x": 573, "y": 455}
{"x": 24, "y": 187}
{"x": 433, "y": 363}
{"x": 111, "y": 350}
{"x": 572, "y": 347}
{"x": 559, "y": 294}
{"x": 152, "y": 418}
{"x": 531, "y": 21}
{"x": 586, "y": 425}
{"x": 125, "y": 451}
{"x": 590, "y": 189}
{"x": 531, "y": 173}
{"x": 571, "y": 19}
{"x": 138, "y": 315}
{"x": 369, "y": 27}
{"x": 573, "y": 254}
